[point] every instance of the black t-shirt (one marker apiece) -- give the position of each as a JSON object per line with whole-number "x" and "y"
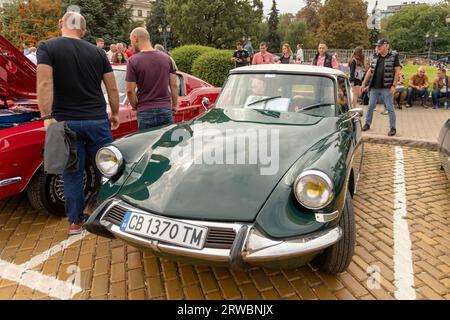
{"x": 78, "y": 69}
{"x": 378, "y": 80}
{"x": 242, "y": 56}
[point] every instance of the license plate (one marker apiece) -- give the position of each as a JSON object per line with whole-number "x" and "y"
{"x": 164, "y": 230}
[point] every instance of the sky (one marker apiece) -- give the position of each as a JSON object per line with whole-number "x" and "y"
{"x": 293, "y": 6}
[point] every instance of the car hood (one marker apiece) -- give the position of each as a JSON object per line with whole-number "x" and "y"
{"x": 178, "y": 179}
{"x": 17, "y": 73}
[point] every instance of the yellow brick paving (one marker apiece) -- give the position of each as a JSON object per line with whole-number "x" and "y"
{"x": 111, "y": 270}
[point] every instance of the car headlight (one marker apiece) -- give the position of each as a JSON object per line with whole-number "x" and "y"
{"x": 313, "y": 189}
{"x": 109, "y": 160}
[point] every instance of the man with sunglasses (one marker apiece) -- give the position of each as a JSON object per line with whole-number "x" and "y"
{"x": 263, "y": 56}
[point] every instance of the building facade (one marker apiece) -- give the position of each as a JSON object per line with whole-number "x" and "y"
{"x": 140, "y": 9}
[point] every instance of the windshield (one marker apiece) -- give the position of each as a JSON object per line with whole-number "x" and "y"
{"x": 121, "y": 85}
{"x": 283, "y": 93}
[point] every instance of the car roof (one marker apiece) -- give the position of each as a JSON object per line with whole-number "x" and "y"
{"x": 288, "y": 68}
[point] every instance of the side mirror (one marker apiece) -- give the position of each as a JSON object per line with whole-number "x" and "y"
{"x": 359, "y": 111}
{"x": 206, "y": 102}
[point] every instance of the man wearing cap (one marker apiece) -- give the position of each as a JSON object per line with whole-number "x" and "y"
{"x": 382, "y": 78}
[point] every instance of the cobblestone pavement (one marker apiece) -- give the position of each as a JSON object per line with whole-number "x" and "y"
{"x": 36, "y": 263}
{"x": 416, "y": 125}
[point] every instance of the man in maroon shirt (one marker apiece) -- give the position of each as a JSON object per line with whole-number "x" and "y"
{"x": 154, "y": 76}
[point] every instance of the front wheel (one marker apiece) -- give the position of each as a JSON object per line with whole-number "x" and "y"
{"x": 46, "y": 192}
{"x": 338, "y": 257}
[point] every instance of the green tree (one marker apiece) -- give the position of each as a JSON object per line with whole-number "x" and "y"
{"x": 292, "y": 30}
{"x": 30, "y": 21}
{"x": 158, "y": 18}
{"x": 273, "y": 36}
{"x": 216, "y": 23}
{"x": 108, "y": 19}
{"x": 343, "y": 23}
{"x": 407, "y": 28}
{"x": 310, "y": 15}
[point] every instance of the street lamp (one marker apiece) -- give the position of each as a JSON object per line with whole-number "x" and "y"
{"x": 165, "y": 32}
{"x": 430, "y": 40}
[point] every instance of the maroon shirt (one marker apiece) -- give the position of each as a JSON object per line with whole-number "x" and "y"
{"x": 151, "y": 71}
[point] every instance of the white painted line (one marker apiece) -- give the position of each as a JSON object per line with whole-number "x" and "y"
{"x": 48, "y": 285}
{"x": 44, "y": 256}
{"x": 403, "y": 266}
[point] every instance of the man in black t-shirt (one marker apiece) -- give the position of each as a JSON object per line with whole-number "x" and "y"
{"x": 382, "y": 78}
{"x": 241, "y": 58}
{"x": 70, "y": 72}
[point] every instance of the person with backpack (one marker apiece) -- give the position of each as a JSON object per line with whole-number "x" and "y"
{"x": 357, "y": 71}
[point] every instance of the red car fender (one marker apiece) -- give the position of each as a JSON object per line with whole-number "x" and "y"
{"x": 20, "y": 156}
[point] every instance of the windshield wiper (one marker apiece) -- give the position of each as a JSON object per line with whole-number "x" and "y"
{"x": 317, "y": 105}
{"x": 263, "y": 100}
{"x": 273, "y": 114}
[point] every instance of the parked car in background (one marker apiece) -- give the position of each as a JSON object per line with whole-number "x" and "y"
{"x": 444, "y": 148}
{"x": 22, "y": 133}
{"x": 162, "y": 193}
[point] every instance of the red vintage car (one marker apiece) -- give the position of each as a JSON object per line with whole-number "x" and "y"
{"x": 22, "y": 133}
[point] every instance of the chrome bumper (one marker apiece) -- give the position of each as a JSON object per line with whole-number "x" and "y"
{"x": 250, "y": 247}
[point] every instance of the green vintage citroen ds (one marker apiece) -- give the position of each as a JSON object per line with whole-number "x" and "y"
{"x": 265, "y": 178}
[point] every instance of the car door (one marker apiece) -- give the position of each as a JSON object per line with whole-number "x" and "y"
{"x": 351, "y": 123}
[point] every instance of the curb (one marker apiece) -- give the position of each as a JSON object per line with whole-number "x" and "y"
{"x": 413, "y": 143}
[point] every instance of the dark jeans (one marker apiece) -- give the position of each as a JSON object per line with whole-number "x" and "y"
{"x": 91, "y": 136}
{"x": 438, "y": 95}
{"x": 151, "y": 118}
{"x": 413, "y": 94}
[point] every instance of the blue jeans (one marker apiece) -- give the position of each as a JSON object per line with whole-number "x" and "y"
{"x": 152, "y": 118}
{"x": 414, "y": 93}
{"x": 437, "y": 95}
{"x": 386, "y": 97}
{"x": 91, "y": 136}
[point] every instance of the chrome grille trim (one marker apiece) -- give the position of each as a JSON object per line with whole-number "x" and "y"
{"x": 218, "y": 237}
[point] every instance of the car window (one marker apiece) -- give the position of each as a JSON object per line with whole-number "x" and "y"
{"x": 344, "y": 96}
{"x": 121, "y": 85}
{"x": 285, "y": 93}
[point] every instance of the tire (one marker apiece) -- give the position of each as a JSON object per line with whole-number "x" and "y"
{"x": 46, "y": 192}
{"x": 338, "y": 257}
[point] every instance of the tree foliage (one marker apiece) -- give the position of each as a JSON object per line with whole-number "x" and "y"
{"x": 108, "y": 19}
{"x": 274, "y": 38}
{"x": 216, "y": 23}
{"x": 310, "y": 15}
{"x": 407, "y": 28}
{"x": 343, "y": 23}
{"x": 30, "y": 21}
{"x": 292, "y": 30}
{"x": 158, "y": 18}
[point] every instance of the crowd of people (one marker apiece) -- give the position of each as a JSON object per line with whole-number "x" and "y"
{"x": 374, "y": 80}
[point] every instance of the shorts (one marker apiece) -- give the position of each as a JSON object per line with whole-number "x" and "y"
{"x": 357, "y": 83}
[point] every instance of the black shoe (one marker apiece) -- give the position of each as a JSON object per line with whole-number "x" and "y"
{"x": 393, "y": 132}
{"x": 366, "y": 127}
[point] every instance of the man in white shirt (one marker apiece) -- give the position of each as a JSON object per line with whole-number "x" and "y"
{"x": 111, "y": 52}
{"x": 32, "y": 55}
